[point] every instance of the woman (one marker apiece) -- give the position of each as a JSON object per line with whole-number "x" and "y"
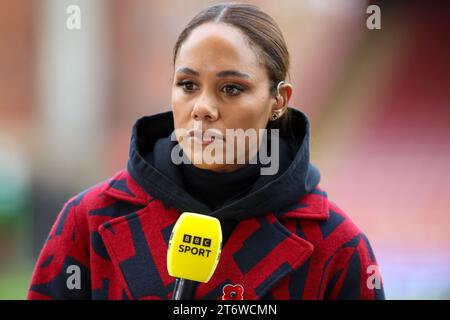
{"x": 283, "y": 238}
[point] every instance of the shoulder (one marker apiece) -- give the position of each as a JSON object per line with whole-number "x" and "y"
{"x": 322, "y": 222}
{"x": 339, "y": 224}
{"x": 350, "y": 269}
{"x": 104, "y": 201}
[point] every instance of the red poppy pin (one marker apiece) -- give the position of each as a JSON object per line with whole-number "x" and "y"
{"x": 233, "y": 292}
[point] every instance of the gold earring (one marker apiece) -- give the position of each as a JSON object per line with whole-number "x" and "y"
{"x": 274, "y": 116}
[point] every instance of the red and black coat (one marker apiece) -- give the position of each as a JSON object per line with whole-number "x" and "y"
{"x": 116, "y": 234}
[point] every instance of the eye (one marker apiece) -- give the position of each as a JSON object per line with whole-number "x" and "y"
{"x": 188, "y": 86}
{"x": 232, "y": 89}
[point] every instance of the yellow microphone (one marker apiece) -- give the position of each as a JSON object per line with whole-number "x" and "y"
{"x": 194, "y": 251}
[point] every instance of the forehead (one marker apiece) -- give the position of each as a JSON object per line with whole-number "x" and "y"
{"x": 217, "y": 46}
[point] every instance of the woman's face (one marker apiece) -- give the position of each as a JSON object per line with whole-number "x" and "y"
{"x": 219, "y": 83}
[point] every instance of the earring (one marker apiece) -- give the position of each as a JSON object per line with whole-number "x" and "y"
{"x": 274, "y": 116}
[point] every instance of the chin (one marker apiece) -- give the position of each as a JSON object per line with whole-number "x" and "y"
{"x": 211, "y": 167}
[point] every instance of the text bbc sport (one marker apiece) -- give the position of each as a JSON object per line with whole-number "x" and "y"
{"x": 199, "y": 241}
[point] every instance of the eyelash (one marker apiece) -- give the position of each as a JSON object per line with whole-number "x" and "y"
{"x": 239, "y": 89}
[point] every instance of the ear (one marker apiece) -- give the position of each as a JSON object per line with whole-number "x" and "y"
{"x": 281, "y": 101}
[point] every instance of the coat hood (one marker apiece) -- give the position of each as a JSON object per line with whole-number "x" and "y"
{"x": 151, "y": 144}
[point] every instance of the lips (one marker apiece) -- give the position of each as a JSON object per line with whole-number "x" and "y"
{"x": 205, "y": 137}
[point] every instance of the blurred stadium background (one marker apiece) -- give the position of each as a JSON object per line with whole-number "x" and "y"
{"x": 378, "y": 100}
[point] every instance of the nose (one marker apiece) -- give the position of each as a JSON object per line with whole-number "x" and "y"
{"x": 204, "y": 110}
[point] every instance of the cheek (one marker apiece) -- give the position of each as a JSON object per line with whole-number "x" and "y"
{"x": 176, "y": 102}
{"x": 181, "y": 110}
{"x": 251, "y": 113}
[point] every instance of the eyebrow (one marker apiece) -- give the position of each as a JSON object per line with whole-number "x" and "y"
{"x": 221, "y": 74}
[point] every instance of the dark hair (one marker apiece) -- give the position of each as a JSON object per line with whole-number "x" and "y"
{"x": 262, "y": 33}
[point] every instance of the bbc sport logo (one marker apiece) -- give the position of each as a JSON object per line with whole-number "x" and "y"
{"x": 196, "y": 241}
{"x": 187, "y": 238}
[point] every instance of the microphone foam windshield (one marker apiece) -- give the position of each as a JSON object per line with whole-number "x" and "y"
{"x": 194, "y": 247}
